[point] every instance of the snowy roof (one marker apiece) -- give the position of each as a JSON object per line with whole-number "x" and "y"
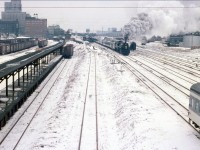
{"x": 23, "y": 37}
{"x": 196, "y": 88}
{"x": 192, "y": 35}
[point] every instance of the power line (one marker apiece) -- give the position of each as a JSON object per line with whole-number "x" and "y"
{"x": 113, "y": 0}
{"x": 96, "y": 7}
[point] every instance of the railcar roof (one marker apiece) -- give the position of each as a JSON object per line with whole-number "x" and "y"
{"x": 196, "y": 88}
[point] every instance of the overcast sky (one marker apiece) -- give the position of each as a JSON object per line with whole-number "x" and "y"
{"x": 95, "y": 15}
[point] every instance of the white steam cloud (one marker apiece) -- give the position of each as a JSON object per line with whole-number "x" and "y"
{"x": 163, "y": 21}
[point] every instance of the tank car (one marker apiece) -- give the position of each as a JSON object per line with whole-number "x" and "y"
{"x": 194, "y": 105}
{"x": 68, "y": 51}
{"x": 42, "y": 43}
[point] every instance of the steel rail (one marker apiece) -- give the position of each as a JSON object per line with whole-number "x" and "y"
{"x": 39, "y": 106}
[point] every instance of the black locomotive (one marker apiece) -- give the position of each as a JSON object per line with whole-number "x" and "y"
{"x": 122, "y": 47}
{"x": 118, "y": 45}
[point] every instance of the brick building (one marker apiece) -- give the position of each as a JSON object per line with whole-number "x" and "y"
{"x": 35, "y": 27}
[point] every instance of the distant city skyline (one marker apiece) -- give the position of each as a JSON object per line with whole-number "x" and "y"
{"x": 80, "y": 15}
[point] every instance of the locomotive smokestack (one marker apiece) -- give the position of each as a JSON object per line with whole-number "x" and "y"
{"x": 126, "y": 36}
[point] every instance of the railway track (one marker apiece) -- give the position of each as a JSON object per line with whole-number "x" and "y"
{"x": 184, "y": 75}
{"x": 47, "y": 85}
{"x": 96, "y": 106}
{"x": 172, "y": 63}
{"x": 190, "y": 62}
{"x": 159, "y": 78}
{"x": 157, "y": 90}
{"x": 90, "y": 110}
{"x": 182, "y": 88}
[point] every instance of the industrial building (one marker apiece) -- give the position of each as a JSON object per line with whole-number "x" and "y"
{"x": 26, "y": 25}
{"x": 13, "y": 12}
{"x": 9, "y": 27}
{"x": 174, "y": 40}
{"x": 35, "y": 27}
{"x": 189, "y": 40}
{"x": 192, "y": 40}
{"x": 55, "y": 30}
{"x": 111, "y": 32}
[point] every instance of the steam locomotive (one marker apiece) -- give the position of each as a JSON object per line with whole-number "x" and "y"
{"x": 119, "y": 45}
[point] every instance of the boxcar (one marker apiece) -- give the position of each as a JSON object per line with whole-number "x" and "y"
{"x": 194, "y": 105}
{"x": 13, "y": 45}
{"x": 4, "y": 49}
{"x": 42, "y": 43}
{"x": 68, "y": 51}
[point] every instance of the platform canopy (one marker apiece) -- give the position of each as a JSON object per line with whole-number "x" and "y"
{"x": 15, "y": 64}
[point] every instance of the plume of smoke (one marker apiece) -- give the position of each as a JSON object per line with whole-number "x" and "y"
{"x": 163, "y": 21}
{"x": 140, "y": 25}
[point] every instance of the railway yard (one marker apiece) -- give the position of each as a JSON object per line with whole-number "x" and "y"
{"x": 102, "y": 100}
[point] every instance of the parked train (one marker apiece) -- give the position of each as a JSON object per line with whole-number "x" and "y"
{"x": 68, "y": 50}
{"x": 42, "y": 43}
{"x": 16, "y": 44}
{"x": 194, "y": 105}
{"x": 79, "y": 41}
{"x": 89, "y": 38}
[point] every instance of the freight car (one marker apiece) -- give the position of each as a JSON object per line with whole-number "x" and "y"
{"x": 194, "y": 105}
{"x": 90, "y": 39}
{"x": 4, "y": 49}
{"x": 132, "y": 46}
{"x": 16, "y": 44}
{"x": 118, "y": 45}
{"x": 68, "y": 51}
{"x": 42, "y": 43}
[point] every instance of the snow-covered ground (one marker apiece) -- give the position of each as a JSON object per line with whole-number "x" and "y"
{"x": 158, "y": 46}
{"x": 130, "y": 116}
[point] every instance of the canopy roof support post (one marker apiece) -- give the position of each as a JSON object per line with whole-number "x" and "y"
{"x": 6, "y": 86}
{"x": 18, "y": 77}
{"x": 13, "y": 82}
